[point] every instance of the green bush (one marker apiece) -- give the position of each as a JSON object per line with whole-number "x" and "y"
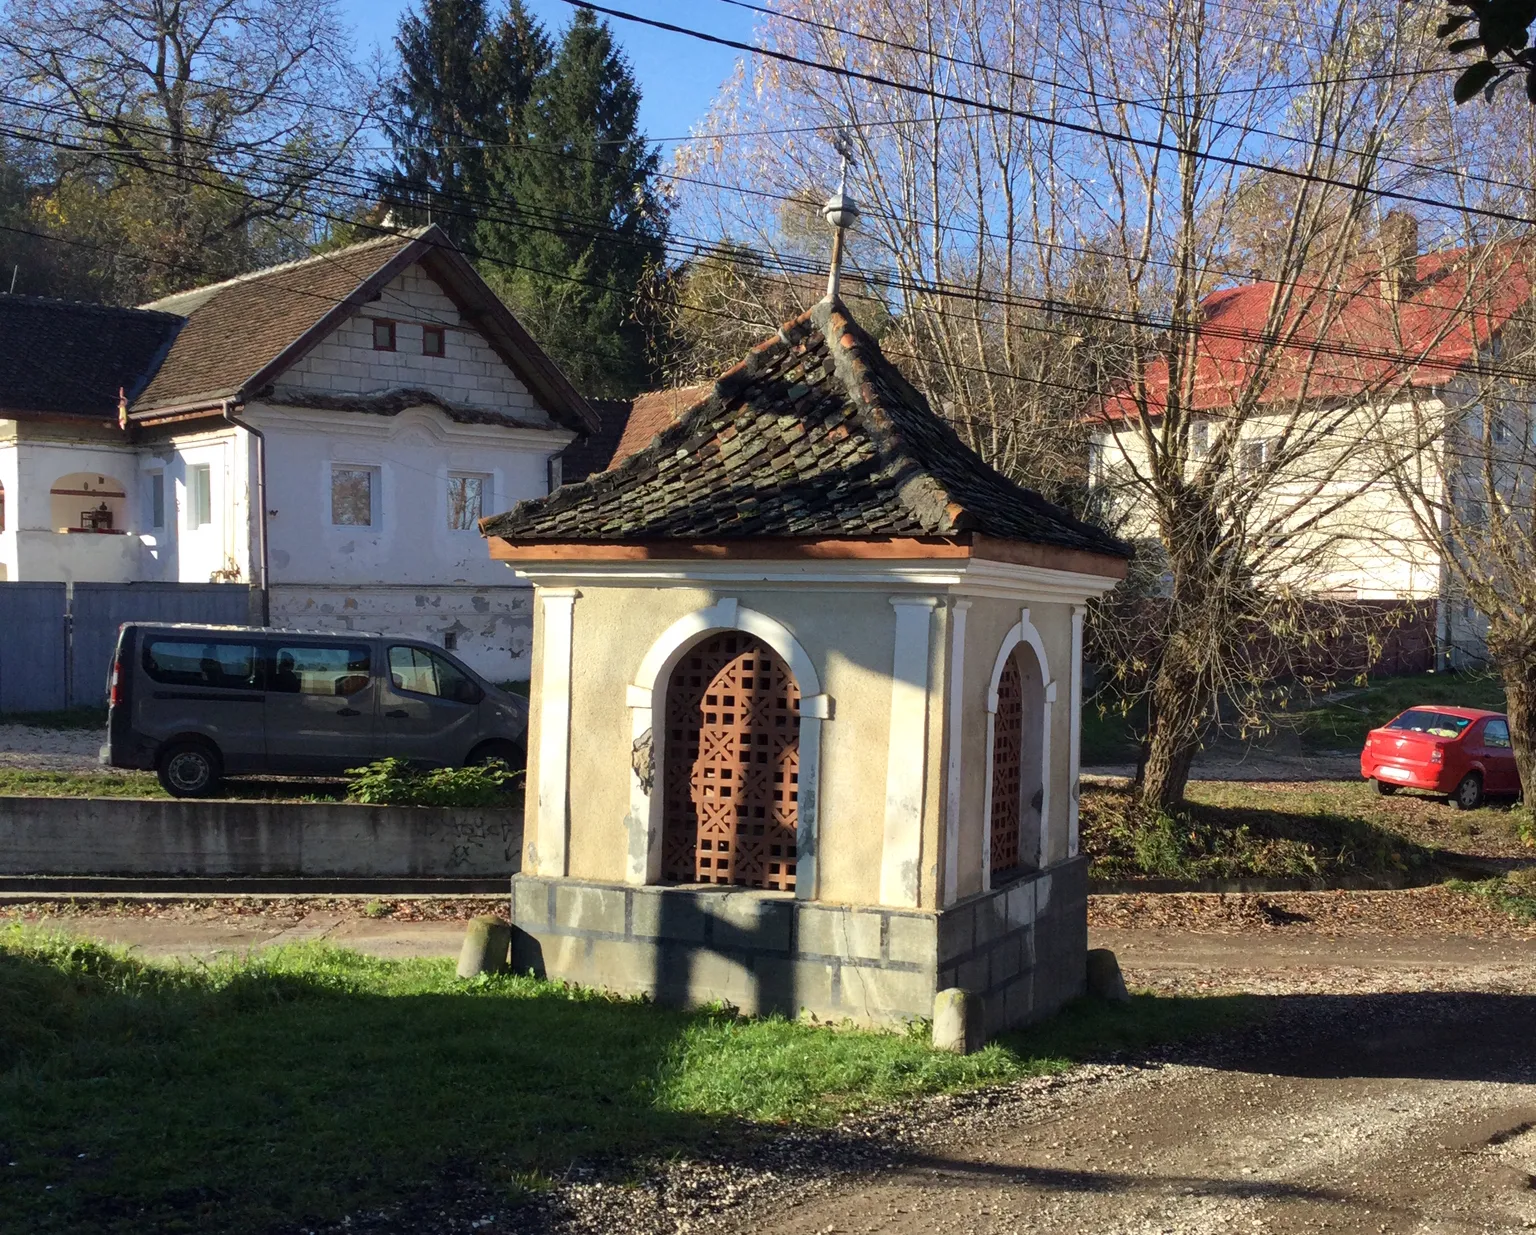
{"x": 394, "y": 782}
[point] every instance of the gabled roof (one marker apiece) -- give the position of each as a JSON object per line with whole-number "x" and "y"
{"x": 814, "y": 435}
{"x": 242, "y": 334}
{"x": 1353, "y": 342}
{"x": 63, "y": 358}
{"x": 628, "y": 427}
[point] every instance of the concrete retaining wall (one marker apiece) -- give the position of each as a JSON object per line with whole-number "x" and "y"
{"x": 1022, "y": 947}
{"x": 118, "y": 836}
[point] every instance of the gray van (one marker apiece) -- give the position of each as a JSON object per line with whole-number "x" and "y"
{"x": 197, "y": 703}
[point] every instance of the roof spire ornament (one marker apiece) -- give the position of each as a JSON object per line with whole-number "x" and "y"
{"x": 841, "y": 211}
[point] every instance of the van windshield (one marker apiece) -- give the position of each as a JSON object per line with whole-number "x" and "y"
{"x": 1436, "y": 724}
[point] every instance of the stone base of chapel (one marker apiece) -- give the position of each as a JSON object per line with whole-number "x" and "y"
{"x": 1022, "y": 947}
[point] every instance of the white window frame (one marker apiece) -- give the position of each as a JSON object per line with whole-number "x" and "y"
{"x": 375, "y": 495}
{"x": 199, "y": 486}
{"x": 155, "y": 519}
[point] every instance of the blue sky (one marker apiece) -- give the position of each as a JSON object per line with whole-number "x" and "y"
{"x": 678, "y": 76}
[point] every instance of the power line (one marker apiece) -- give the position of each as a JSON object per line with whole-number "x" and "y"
{"x": 1149, "y": 143}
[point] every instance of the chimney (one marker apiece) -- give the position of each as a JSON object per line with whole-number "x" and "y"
{"x": 842, "y": 212}
{"x": 1399, "y": 242}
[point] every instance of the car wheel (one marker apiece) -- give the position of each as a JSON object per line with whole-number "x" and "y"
{"x": 1469, "y": 794}
{"x": 189, "y": 770}
{"x": 1386, "y": 790}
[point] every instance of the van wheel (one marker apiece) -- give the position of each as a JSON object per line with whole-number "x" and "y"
{"x": 1469, "y": 794}
{"x": 509, "y": 753}
{"x": 1386, "y": 790}
{"x": 189, "y": 770}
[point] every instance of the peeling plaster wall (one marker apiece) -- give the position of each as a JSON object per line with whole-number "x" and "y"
{"x": 492, "y": 627}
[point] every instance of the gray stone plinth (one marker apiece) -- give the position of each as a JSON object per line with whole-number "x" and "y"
{"x": 1019, "y": 950}
{"x": 487, "y": 947}
{"x": 957, "y": 1022}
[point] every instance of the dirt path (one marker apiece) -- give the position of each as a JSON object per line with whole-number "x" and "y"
{"x": 1394, "y": 1089}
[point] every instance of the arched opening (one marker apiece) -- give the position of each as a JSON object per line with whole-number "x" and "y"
{"x": 88, "y": 502}
{"x": 1018, "y": 766}
{"x": 731, "y": 772}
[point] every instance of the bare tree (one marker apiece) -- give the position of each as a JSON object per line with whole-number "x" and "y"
{"x": 184, "y": 130}
{"x": 1058, "y": 216}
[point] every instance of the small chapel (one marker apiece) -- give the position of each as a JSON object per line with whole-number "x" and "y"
{"x": 805, "y": 705}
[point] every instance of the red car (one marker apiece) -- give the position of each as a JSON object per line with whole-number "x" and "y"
{"x": 1462, "y": 752}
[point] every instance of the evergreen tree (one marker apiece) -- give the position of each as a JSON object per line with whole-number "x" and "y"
{"x": 588, "y": 224}
{"x": 441, "y": 109}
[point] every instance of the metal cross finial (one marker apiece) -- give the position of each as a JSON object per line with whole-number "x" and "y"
{"x": 842, "y": 212}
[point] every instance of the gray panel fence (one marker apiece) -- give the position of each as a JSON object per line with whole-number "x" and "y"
{"x": 56, "y": 648}
{"x": 34, "y": 651}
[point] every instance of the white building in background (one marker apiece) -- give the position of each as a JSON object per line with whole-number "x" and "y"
{"x": 394, "y": 398}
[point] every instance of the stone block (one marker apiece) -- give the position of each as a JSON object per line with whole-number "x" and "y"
{"x": 487, "y": 946}
{"x": 956, "y": 930}
{"x": 837, "y": 930}
{"x": 667, "y": 913}
{"x": 530, "y": 901}
{"x": 991, "y": 917}
{"x": 1104, "y": 978}
{"x": 957, "y": 1022}
{"x": 912, "y": 938}
{"x": 974, "y": 974}
{"x": 874, "y": 994}
{"x": 749, "y": 921}
{"x": 1007, "y": 959}
{"x": 1018, "y": 1003}
{"x": 791, "y": 987}
{"x": 589, "y": 908}
{"x": 1020, "y": 903}
{"x": 717, "y": 977}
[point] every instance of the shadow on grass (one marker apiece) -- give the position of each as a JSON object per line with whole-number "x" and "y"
{"x": 1225, "y": 840}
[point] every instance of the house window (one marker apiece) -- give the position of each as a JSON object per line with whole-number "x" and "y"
{"x": 1501, "y": 433}
{"x": 352, "y": 496}
{"x": 199, "y": 495}
{"x": 434, "y": 341}
{"x": 467, "y": 496}
{"x": 157, "y": 499}
{"x": 1199, "y": 439}
{"x": 383, "y": 335}
{"x": 1254, "y": 455}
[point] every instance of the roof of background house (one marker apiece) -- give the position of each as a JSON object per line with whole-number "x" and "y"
{"x": 814, "y": 434}
{"x": 628, "y": 426}
{"x": 1353, "y": 343}
{"x": 64, "y": 358}
{"x": 240, "y": 335}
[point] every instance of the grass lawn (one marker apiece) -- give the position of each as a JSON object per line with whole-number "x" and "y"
{"x": 1314, "y": 829}
{"x": 1339, "y": 724}
{"x": 309, "y": 1083}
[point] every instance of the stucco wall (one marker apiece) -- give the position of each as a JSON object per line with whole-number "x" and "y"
{"x": 412, "y": 455}
{"x": 1367, "y": 544}
{"x": 849, "y": 634}
{"x": 492, "y": 628}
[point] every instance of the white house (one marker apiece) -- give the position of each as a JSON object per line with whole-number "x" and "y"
{"x": 381, "y": 397}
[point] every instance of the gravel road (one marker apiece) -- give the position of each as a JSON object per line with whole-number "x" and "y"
{"x": 51, "y": 750}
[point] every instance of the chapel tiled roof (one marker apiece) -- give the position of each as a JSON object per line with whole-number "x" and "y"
{"x": 628, "y": 425}
{"x": 815, "y": 434}
{"x": 61, "y": 357}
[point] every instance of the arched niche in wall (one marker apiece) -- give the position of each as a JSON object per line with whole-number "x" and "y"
{"x": 1017, "y": 807}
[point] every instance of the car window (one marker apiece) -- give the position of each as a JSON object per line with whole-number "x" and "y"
{"x": 338, "y": 669}
{"x": 1436, "y": 724}
{"x": 423, "y": 673}
{"x": 201, "y": 662}
{"x": 1496, "y": 734}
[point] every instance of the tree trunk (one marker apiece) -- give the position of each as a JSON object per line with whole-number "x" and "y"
{"x": 1177, "y": 715}
{"x": 1520, "y": 704}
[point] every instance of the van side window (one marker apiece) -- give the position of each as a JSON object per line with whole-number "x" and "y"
{"x": 197, "y": 662}
{"x": 420, "y": 672}
{"x": 341, "y": 669}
